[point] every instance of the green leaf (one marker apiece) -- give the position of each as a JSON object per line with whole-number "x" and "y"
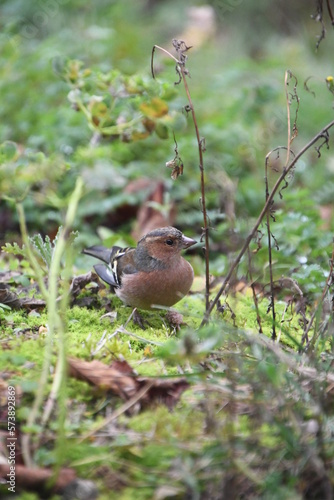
{"x": 13, "y": 249}
{"x": 161, "y": 130}
{"x": 44, "y": 248}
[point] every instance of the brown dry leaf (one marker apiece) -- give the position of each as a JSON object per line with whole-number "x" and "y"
{"x": 13, "y": 300}
{"x": 118, "y": 378}
{"x": 123, "y": 367}
{"x": 37, "y": 479}
{"x": 32, "y": 303}
{"x": 141, "y": 184}
{"x": 166, "y": 391}
{"x": 149, "y": 217}
{"x": 9, "y": 298}
{"x": 79, "y": 283}
{"x": 121, "y": 380}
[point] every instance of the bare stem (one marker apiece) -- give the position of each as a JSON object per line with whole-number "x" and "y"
{"x": 55, "y": 323}
{"x": 329, "y": 282}
{"x": 321, "y": 134}
{"x": 180, "y": 68}
{"x": 288, "y": 118}
{"x": 256, "y": 303}
{"x": 205, "y": 218}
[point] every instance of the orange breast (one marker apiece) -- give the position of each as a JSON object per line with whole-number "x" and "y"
{"x": 165, "y": 288}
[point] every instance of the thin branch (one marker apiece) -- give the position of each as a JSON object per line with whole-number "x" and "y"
{"x": 181, "y": 70}
{"x": 272, "y": 298}
{"x": 252, "y": 285}
{"x": 290, "y": 96}
{"x": 262, "y": 214}
{"x": 330, "y": 13}
{"x": 203, "y": 201}
{"x": 329, "y": 282}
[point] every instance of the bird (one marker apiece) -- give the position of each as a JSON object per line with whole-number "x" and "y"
{"x": 152, "y": 274}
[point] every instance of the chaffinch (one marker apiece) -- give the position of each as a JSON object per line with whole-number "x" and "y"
{"x": 153, "y": 273}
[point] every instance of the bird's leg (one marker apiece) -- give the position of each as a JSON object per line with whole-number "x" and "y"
{"x": 137, "y": 319}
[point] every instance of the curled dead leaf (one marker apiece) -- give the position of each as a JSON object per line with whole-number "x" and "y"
{"x": 123, "y": 381}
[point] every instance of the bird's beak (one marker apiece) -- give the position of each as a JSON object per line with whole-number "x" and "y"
{"x": 187, "y": 242}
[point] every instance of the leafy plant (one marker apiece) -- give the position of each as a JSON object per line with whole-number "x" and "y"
{"x": 44, "y": 249}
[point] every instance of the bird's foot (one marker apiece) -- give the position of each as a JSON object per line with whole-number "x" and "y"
{"x": 137, "y": 319}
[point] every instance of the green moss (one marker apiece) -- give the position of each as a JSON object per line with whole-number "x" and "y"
{"x": 17, "y": 321}
{"x": 288, "y": 327}
{"x": 140, "y": 493}
{"x": 178, "y": 425}
{"x": 25, "y": 356}
{"x": 267, "y": 438}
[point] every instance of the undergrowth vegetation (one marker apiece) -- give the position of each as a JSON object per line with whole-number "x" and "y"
{"x": 109, "y": 123}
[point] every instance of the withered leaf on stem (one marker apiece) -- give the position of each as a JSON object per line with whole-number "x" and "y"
{"x": 177, "y": 166}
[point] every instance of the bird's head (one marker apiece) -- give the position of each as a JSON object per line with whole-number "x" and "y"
{"x": 164, "y": 243}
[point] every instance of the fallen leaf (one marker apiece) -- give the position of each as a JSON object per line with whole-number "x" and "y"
{"x": 79, "y": 283}
{"x": 119, "y": 379}
{"x": 9, "y": 298}
{"x": 166, "y": 391}
{"x": 32, "y": 303}
{"x": 153, "y": 213}
{"x": 123, "y": 381}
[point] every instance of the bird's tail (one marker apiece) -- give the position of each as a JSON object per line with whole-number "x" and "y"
{"x": 101, "y": 253}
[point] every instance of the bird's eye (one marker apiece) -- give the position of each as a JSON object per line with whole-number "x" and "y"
{"x": 169, "y": 242}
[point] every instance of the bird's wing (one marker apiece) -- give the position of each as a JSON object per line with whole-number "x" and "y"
{"x": 123, "y": 262}
{"x": 106, "y": 274}
{"x": 119, "y": 261}
{"x": 102, "y": 253}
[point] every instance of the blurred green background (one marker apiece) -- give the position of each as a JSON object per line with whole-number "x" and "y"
{"x": 77, "y": 99}
{"x": 240, "y": 53}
